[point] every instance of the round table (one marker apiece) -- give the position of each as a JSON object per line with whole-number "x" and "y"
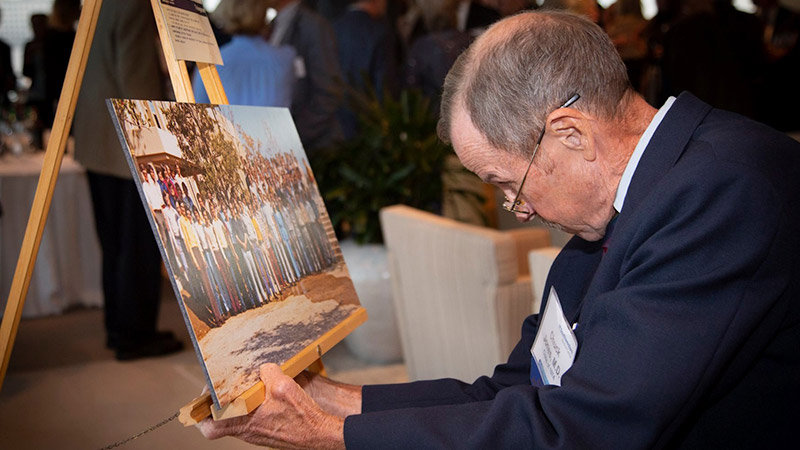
{"x": 67, "y": 270}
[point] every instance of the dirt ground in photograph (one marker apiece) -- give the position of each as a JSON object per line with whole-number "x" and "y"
{"x": 327, "y": 286}
{"x": 273, "y": 333}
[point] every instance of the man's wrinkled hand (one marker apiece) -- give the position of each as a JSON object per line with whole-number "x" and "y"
{"x": 288, "y": 418}
{"x": 335, "y": 398}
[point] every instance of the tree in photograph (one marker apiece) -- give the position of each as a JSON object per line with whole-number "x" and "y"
{"x": 132, "y": 118}
{"x": 205, "y": 144}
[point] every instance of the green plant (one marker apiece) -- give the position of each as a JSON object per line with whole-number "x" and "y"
{"x": 396, "y": 157}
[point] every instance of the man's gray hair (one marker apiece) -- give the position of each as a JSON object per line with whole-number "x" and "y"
{"x": 515, "y": 74}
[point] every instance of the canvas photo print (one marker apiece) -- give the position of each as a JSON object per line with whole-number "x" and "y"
{"x": 243, "y": 231}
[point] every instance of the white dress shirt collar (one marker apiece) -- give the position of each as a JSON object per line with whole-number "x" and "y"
{"x": 630, "y": 169}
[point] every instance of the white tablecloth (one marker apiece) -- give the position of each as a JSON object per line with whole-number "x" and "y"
{"x": 67, "y": 270}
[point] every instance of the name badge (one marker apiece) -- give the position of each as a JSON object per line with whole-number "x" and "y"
{"x": 553, "y": 350}
{"x": 299, "y": 67}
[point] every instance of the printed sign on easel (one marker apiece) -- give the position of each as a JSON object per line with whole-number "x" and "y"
{"x": 190, "y": 31}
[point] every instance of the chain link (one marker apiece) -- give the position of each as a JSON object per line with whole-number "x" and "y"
{"x": 138, "y": 435}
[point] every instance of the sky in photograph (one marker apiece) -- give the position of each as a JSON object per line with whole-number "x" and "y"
{"x": 256, "y": 120}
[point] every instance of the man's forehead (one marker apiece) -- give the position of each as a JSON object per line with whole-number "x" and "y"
{"x": 474, "y": 150}
{"x": 468, "y": 142}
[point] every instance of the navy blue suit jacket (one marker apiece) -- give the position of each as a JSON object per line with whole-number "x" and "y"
{"x": 317, "y": 93}
{"x": 689, "y": 325}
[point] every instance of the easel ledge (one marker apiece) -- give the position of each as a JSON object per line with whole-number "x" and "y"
{"x": 202, "y": 407}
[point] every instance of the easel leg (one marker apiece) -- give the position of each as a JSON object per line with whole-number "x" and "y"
{"x": 47, "y": 181}
{"x": 318, "y": 367}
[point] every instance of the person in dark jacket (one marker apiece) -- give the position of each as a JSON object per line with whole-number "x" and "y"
{"x": 672, "y": 318}
{"x": 318, "y": 92}
{"x": 123, "y": 63}
{"x": 367, "y": 55}
{"x": 8, "y": 81}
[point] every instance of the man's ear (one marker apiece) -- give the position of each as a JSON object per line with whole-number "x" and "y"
{"x": 572, "y": 129}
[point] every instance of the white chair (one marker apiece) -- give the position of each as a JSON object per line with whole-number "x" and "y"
{"x": 460, "y": 291}
{"x": 539, "y": 262}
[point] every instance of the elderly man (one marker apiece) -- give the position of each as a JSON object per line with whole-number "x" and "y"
{"x": 677, "y": 299}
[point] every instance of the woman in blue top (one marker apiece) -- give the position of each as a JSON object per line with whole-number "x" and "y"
{"x": 255, "y": 73}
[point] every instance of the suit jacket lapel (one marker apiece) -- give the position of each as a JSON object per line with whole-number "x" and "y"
{"x": 665, "y": 148}
{"x": 662, "y": 153}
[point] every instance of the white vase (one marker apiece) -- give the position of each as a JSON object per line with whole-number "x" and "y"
{"x": 378, "y": 339}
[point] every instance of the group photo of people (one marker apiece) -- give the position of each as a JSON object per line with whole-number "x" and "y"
{"x": 250, "y": 250}
{"x": 244, "y": 241}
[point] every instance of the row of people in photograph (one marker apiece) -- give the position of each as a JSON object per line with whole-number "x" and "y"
{"x": 232, "y": 253}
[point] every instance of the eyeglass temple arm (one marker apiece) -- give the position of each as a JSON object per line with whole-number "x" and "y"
{"x": 566, "y": 104}
{"x": 571, "y": 100}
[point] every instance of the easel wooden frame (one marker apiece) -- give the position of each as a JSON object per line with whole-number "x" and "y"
{"x": 47, "y": 180}
{"x": 201, "y": 407}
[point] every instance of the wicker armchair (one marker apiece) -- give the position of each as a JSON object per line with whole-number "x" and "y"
{"x": 460, "y": 291}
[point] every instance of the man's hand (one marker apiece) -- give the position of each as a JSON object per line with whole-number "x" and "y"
{"x": 338, "y": 399}
{"x": 288, "y": 418}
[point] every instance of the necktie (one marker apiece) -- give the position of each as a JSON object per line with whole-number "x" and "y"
{"x": 609, "y": 231}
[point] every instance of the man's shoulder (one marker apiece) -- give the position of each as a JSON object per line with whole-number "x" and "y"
{"x": 747, "y": 144}
{"x": 309, "y": 30}
{"x": 694, "y": 131}
{"x": 358, "y": 22}
{"x": 729, "y": 127}
{"x": 307, "y": 19}
{"x": 703, "y": 158}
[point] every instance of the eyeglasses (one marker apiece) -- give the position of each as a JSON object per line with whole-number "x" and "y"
{"x": 510, "y": 206}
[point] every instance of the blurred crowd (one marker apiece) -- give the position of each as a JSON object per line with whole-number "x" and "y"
{"x": 44, "y": 67}
{"x": 330, "y": 49}
{"x": 312, "y": 55}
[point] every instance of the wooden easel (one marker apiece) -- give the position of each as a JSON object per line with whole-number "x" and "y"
{"x": 201, "y": 407}
{"x": 47, "y": 180}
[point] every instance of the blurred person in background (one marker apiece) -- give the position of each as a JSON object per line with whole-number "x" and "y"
{"x": 33, "y": 61}
{"x": 781, "y": 94}
{"x": 716, "y": 53}
{"x": 123, "y": 63}
{"x": 367, "y": 55}
{"x": 255, "y": 72}
{"x": 587, "y": 8}
{"x": 7, "y": 79}
{"x": 432, "y": 55}
{"x": 318, "y": 92}
{"x": 58, "y": 41}
{"x": 625, "y": 24}
{"x": 33, "y": 68}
